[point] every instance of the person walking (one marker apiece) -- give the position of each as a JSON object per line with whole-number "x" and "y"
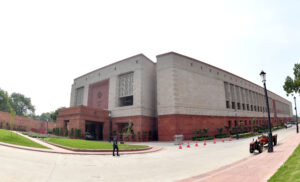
{"x": 115, "y": 146}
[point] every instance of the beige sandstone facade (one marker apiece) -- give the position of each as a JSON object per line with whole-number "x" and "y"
{"x": 175, "y": 95}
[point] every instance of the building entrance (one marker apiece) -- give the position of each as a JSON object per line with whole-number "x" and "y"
{"x": 93, "y": 130}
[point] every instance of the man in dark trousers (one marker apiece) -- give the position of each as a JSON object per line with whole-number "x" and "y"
{"x": 115, "y": 146}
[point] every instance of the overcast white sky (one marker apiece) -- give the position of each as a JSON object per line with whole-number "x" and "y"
{"x": 44, "y": 45}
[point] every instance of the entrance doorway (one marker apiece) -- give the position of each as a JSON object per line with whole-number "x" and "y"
{"x": 93, "y": 130}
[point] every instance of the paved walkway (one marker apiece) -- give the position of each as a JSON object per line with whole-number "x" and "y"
{"x": 167, "y": 165}
{"x": 258, "y": 167}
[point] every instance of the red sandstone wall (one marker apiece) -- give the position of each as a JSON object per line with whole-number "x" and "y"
{"x": 78, "y": 115}
{"x": 141, "y": 124}
{"x": 25, "y": 123}
{"x": 170, "y": 125}
{"x": 98, "y": 94}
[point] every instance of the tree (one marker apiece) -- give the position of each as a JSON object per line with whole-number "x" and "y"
{"x": 292, "y": 86}
{"x": 45, "y": 116}
{"x": 54, "y": 114}
{"x": 227, "y": 128}
{"x": 12, "y": 120}
{"x": 21, "y": 104}
{"x": 4, "y": 101}
{"x": 127, "y": 130}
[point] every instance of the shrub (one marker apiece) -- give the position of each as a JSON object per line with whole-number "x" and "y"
{"x": 227, "y": 128}
{"x": 205, "y": 130}
{"x": 72, "y": 132}
{"x": 220, "y": 130}
{"x": 121, "y": 136}
{"x": 77, "y": 133}
{"x": 144, "y": 135}
{"x": 66, "y": 132}
{"x": 139, "y": 135}
{"x": 221, "y": 135}
{"x": 204, "y": 138}
{"x": 150, "y": 135}
{"x": 60, "y": 131}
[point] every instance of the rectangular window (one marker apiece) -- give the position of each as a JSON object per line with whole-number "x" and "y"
{"x": 227, "y": 105}
{"x": 243, "y": 106}
{"x": 238, "y": 106}
{"x": 126, "y": 89}
{"x": 126, "y": 101}
{"x": 251, "y": 107}
{"x": 248, "y": 107}
{"x": 227, "y": 91}
{"x": 229, "y": 124}
{"x": 79, "y": 96}
{"x": 254, "y": 108}
{"x": 233, "y": 105}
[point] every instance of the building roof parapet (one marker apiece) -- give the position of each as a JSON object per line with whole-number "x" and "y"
{"x": 115, "y": 63}
{"x": 181, "y": 55}
{"x": 83, "y": 110}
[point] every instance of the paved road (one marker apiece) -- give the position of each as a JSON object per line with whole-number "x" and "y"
{"x": 170, "y": 164}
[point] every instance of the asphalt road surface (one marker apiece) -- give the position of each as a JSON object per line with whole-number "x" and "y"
{"x": 169, "y": 164}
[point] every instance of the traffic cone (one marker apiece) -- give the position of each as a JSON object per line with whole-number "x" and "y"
{"x": 214, "y": 140}
{"x": 223, "y": 140}
{"x": 180, "y": 147}
{"x": 188, "y": 144}
{"x": 196, "y": 145}
{"x": 204, "y": 142}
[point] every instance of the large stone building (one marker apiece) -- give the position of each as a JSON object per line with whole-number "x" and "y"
{"x": 175, "y": 95}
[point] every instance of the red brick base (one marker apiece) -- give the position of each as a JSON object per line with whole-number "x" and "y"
{"x": 170, "y": 125}
{"x": 144, "y": 127}
{"x": 24, "y": 124}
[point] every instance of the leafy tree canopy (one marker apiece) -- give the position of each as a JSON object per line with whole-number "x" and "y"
{"x": 21, "y": 104}
{"x": 4, "y": 101}
{"x": 47, "y": 116}
{"x": 292, "y": 86}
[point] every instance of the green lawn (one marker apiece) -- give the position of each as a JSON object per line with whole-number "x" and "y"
{"x": 87, "y": 144}
{"x": 7, "y": 136}
{"x": 290, "y": 170}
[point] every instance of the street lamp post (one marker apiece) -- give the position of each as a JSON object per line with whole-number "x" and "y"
{"x": 109, "y": 127}
{"x": 47, "y": 126}
{"x": 237, "y": 131}
{"x": 296, "y": 115}
{"x": 270, "y": 142}
{"x": 264, "y": 119}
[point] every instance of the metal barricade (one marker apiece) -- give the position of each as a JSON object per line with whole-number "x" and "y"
{"x": 178, "y": 139}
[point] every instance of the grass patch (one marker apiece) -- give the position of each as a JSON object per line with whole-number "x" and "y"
{"x": 290, "y": 170}
{"x": 7, "y": 136}
{"x": 87, "y": 144}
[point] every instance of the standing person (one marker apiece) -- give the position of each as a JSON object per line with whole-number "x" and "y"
{"x": 115, "y": 146}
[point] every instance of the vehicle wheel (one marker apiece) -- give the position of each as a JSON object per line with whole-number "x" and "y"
{"x": 260, "y": 149}
{"x": 251, "y": 151}
{"x": 275, "y": 142}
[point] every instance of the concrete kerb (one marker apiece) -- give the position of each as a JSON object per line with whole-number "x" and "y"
{"x": 58, "y": 150}
{"x": 98, "y": 150}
